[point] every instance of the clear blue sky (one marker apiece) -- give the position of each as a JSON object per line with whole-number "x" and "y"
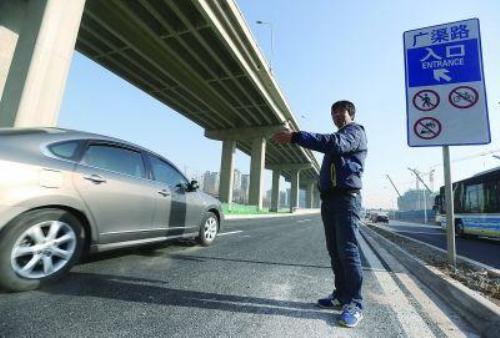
{"x": 324, "y": 50}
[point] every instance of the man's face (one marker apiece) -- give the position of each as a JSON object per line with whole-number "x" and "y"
{"x": 341, "y": 117}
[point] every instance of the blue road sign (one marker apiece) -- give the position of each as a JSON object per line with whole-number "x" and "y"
{"x": 445, "y": 92}
{"x": 445, "y": 63}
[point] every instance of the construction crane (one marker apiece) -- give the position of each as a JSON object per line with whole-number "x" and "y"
{"x": 419, "y": 178}
{"x": 430, "y": 174}
{"x": 393, "y": 185}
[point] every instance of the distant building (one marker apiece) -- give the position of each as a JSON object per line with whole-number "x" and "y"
{"x": 414, "y": 200}
{"x": 237, "y": 179}
{"x": 236, "y": 186}
{"x": 245, "y": 187}
{"x": 302, "y": 198}
{"x": 211, "y": 183}
{"x": 267, "y": 199}
{"x": 283, "y": 200}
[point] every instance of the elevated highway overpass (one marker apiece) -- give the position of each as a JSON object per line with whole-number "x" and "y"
{"x": 196, "y": 56}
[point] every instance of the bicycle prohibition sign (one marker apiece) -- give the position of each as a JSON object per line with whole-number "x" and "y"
{"x": 463, "y": 97}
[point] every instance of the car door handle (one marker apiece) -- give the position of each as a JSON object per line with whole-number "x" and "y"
{"x": 95, "y": 178}
{"x": 164, "y": 193}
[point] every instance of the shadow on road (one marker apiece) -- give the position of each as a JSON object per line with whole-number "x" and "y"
{"x": 202, "y": 259}
{"x": 148, "y": 250}
{"x": 147, "y": 291}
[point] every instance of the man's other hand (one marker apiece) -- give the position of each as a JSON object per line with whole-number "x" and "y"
{"x": 283, "y": 137}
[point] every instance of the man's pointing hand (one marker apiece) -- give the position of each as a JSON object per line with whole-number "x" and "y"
{"x": 283, "y": 137}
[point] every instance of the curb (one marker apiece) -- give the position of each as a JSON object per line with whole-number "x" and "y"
{"x": 481, "y": 313}
{"x": 460, "y": 259}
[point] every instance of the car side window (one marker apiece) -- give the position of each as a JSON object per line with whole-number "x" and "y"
{"x": 164, "y": 172}
{"x": 66, "y": 150}
{"x": 116, "y": 159}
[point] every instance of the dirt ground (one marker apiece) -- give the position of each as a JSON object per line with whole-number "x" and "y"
{"x": 476, "y": 279}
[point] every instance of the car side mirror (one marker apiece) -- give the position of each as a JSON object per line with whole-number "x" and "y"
{"x": 193, "y": 186}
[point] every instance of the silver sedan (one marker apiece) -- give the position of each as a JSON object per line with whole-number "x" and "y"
{"x": 67, "y": 193}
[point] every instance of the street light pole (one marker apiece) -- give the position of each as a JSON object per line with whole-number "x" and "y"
{"x": 270, "y": 25}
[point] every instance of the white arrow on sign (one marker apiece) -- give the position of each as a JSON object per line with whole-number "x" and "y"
{"x": 441, "y": 74}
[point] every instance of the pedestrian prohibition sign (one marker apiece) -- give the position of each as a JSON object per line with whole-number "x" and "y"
{"x": 445, "y": 91}
{"x": 427, "y": 128}
{"x": 463, "y": 97}
{"x": 426, "y": 100}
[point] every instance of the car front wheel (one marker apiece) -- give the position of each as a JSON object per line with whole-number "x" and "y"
{"x": 39, "y": 246}
{"x": 209, "y": 229}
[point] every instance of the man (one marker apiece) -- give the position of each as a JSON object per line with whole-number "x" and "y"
{"x": 340, "y": 185}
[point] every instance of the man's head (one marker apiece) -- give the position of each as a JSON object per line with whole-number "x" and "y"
{"x": 343, "y": 113}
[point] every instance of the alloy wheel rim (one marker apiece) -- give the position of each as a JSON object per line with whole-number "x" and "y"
{"x": 210, "y": 228}
{"x": 43, "y": 249}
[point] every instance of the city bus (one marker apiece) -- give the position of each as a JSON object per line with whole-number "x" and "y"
{"x": 476, "y": 203}
{"x": 439, "y": 212}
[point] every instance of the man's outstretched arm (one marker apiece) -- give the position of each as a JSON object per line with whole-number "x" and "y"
{"x": 336, "y": 143}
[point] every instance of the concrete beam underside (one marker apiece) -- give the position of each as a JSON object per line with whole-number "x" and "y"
{"x": 242, "y": 133}
{"x": 40, "y": 36}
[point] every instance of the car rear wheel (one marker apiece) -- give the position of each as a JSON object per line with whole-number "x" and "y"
{"x": 38, "y": 247}
{"x": 209, "y": 229}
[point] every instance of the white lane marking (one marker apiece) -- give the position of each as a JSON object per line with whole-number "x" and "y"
{"x": 413, "y": 225}
{"x": 448, "y": 320}
{"x": 412, "y": 323}
{"x": 230, "y": 233}
{"x": 420, "y": 232}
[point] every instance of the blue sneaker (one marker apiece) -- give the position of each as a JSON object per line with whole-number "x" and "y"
{"x": 330, "y": 302}
{"x": 351, "y": 315}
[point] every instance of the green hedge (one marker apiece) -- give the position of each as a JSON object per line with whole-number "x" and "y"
{"x": 242, "y": 209}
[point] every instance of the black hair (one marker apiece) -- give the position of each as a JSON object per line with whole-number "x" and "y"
{"x": 345, "y": 105}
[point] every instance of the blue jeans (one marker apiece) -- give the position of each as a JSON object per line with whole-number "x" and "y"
{"x": 341, "y": 217}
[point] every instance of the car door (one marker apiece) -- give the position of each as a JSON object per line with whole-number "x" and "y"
{"x": 112, "y": 181}
{"x": 171, "y": 212}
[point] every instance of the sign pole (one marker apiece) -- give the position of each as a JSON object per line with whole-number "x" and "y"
{"x": 450, "y": 216}
{"x": 425, "y": 206}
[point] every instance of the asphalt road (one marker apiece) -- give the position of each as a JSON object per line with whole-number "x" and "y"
{"x": 484, "y": 250}
{"x": 260, "y": 279}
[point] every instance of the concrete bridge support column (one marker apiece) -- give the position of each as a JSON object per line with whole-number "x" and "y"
{"x": 227, "y": 171}
{"x": 276, "y": 190}
{"x": 310, "y": 195}
{"x": 294, "y": 195}
{"x": 257, "y": 171}
{"x": 37, "y": 41}
{"x": 317, "y": 199}
{"x": 294, "y": 169}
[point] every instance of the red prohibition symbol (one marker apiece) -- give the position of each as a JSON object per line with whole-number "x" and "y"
{"x": 463, "y": 97}
{"x": 427, "y": 128}
{"x": 426, "y": 100}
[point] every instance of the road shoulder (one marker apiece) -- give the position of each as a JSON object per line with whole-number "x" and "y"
{"x": 476, "y": 309}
